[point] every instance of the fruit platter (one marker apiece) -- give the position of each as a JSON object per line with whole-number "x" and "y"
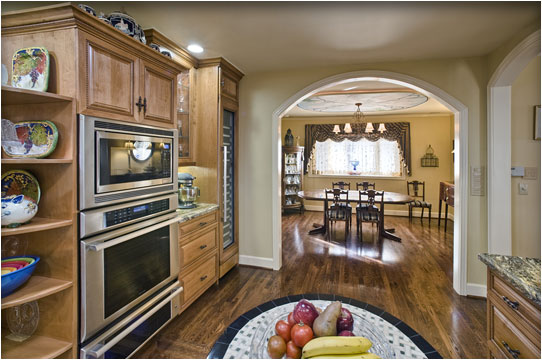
{"x": 319, "y": 329}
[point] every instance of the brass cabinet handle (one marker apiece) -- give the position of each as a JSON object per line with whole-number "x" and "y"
{"x": 203, "y": 278}
{"x": 511, "y": 351}
{"x": 203, "y": 247}
{"x": 513, "y": 304}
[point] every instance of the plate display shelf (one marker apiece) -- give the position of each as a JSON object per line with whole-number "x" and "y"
{"x": 52, "y": 233}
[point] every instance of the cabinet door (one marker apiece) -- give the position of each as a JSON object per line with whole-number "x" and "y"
{"x": 158, "y": 90}
{"x": 108, "y": 80}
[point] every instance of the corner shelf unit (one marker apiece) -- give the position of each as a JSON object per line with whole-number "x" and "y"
{"x": 292, "y": 177}
{"x": 52, "y": 234}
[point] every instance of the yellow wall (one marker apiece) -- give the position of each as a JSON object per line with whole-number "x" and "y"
{"x": 526, "y": 152}
{"x": 434, "y": 130}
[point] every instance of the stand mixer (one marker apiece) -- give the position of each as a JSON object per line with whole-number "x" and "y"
{"x": 187, "y": 192}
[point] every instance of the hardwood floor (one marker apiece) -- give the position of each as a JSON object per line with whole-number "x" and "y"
{"x": 411, "y": 280}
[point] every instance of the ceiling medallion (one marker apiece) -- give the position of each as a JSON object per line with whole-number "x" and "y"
{"x": 372, "y": 101}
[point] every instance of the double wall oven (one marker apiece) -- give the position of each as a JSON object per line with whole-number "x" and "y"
{"x": 129, "y": 255}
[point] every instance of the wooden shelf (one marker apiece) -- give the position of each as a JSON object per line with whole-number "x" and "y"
{"x": 27, "y": 161}
{"x": 35, "y": 347}
{"x": 16, "y": 96}
{"x": 186, "y": 163}
{"x": 36, "y": 287}
{"x": 37, "y": 224}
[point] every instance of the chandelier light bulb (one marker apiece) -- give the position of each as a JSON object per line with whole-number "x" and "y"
{"x": 382, "y": 127}
{"x": 336, "y": 129}
{"x": 347, "y": 128}
{"x": 369, "y": 128}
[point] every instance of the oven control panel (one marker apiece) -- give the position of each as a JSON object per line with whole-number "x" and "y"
{"x": 130, "y": 213}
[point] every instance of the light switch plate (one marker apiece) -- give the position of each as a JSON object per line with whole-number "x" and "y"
{"x": 518, "y": 171}
{"x": 531, "y": 173}
{"x": 523, "y": 189}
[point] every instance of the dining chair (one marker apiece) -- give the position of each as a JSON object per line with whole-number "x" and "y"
{"x": 344, "y": 186}
{"x": 336, "y": 211}
{"x": 416, "y": 189}
{"x": 369, "y": 211}
{"x": 365, "y": 185}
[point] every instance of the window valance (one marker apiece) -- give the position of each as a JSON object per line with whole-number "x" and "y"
{"x": 395, "y": 131}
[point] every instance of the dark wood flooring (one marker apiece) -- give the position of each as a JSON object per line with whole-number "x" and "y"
{"x": 411, "y": 280}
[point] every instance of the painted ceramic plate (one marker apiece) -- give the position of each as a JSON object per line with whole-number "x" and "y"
{"x": 37, "y": 139}
{"x": 16, "y": 182}
{"x": 31, "y": 68}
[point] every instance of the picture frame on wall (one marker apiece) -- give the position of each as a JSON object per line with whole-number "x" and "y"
{"x": 537, "y": 122}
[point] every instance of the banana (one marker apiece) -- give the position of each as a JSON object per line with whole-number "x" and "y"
{"x": 366, "y": 355}
{"x": 337, "y": 345}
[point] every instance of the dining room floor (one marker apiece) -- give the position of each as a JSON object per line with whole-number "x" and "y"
{"x": 411, "y": 280}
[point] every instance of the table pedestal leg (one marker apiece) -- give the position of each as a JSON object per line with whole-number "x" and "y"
{"x": 319, "y": 228}
{"x": 387, "y": 233}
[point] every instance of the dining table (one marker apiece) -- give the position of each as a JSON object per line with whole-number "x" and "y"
{"x": 390, "y": 198}
{"x": 247, "y": 336}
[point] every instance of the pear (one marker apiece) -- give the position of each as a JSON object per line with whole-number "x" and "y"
{"x": 326, "y": 323}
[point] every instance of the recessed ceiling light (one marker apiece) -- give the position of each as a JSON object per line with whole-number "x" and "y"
{"x": 195, "y": 48}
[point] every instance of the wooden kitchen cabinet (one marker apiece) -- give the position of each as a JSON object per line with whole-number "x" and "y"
{"x": 198, "y": 242}
{"x": 217, "y": 115}
{"x": 117, "y": 84}
{"x": 513, "y": 328}
{"x": 185, "y": 100}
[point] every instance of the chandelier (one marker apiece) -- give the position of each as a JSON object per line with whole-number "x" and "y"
{"x": 359, "y": 118}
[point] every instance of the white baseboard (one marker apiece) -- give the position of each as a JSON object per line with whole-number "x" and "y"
{"x": 415, "y": 213}
{"x": 476, "y": 290}
{"x": 266, "y": 263}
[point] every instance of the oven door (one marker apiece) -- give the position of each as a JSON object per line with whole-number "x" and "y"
{"x": 127, "y": 161}
{"x": 121, "y": 268}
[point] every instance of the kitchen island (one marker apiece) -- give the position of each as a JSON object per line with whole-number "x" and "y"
{"x": 513, "y": 306}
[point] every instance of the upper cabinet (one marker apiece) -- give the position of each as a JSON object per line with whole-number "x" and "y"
{"x": 185, "y": 101}
{"x": 118, "y": 84}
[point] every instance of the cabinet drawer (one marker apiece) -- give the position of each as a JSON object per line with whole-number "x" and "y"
{"x": 199, "y": 278}
{"x": 200, "y": 245}
{"x": 508, "y": 338}
{"x": 198, "y": 223}
{"x": 508, "y": 297}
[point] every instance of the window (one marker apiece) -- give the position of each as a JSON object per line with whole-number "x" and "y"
{"x": 376, "y": 158}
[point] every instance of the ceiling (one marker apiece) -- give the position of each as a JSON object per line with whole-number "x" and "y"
{"x": 270, "y": 36}
{"x": 370, "y": 88}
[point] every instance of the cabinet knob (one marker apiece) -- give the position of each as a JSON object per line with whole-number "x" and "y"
{"x": 203, "y": 278}
{"x": 203, "y": 223}
{"x": 511, "y": 351}
{"x": 222, "y": 83}
{"x": 513, "y": 304}
{"x": 203, "y": 247}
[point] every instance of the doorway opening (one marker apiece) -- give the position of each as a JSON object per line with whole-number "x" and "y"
{"x": 460, "y": 114}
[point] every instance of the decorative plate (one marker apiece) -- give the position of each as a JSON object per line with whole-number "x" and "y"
{"x": 16, "y": 182}
{"x": 31, "y": 68}
{"x": 37, "y": 139}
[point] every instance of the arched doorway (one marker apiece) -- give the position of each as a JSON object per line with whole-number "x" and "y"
{"x": 460, "y": 112}
{"x": 499, "y": 143}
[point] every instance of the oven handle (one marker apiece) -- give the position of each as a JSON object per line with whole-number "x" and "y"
{"x": 104, "y": 245}
{"x": 99, "y": 353}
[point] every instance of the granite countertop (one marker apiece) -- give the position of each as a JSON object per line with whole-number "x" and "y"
{"x": 522, "y": 273}
{"x": 200, "y": 209}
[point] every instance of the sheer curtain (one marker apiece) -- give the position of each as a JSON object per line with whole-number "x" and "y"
{"x": 378, "y": 158}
